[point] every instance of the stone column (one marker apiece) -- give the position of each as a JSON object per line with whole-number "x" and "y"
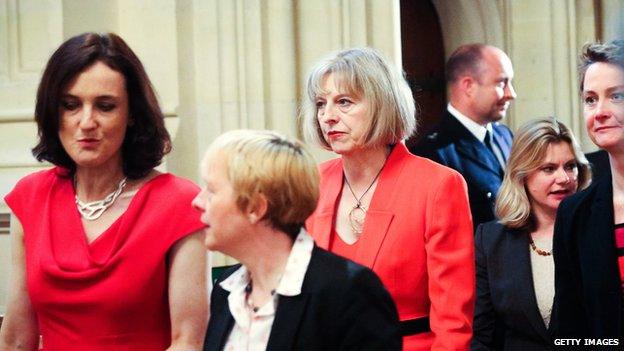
{"x": 544, "y": 40}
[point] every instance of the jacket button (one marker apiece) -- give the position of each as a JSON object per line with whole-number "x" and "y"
{"x": 489, "y": 195}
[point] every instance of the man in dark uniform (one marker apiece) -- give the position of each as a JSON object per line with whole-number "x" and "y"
{"x": 469, "y": 137}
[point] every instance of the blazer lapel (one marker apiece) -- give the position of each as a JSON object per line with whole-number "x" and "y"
{"x": 221, "y": 322}
{"x": 601, "y": 220}
{"x": 523, "y": 282}
{"x": 323, "y": 228}
{"x": 379, "y": 223}
{"x": 324, "y": 220}
{"x": 469, "y": 146}
{"x": 599, "y": 254}
{"x": 476, "y": 151}
{"x": 290, "y": 311}
{"x": 379, "y": 215}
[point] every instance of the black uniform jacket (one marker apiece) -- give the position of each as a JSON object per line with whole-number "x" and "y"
{"x": 453, "y": 145}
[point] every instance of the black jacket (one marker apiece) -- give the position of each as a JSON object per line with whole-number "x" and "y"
{"x": 588, "y": 290}
{"x": 451, "y": 144}
{"x": 506, "y": 312}
{"x": 342, "y": 306}
{"x": 600, "y": 165}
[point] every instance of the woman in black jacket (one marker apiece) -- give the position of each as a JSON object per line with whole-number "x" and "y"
{"x": 589, "y": 234}
{"x": 515, "y": 273}
{"x": 287, "y": 294}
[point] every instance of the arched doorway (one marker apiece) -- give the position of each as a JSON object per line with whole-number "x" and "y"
{"x": 423, "y": 61}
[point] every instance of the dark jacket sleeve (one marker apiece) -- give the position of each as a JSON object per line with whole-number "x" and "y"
{"x": 485, "y": 323}
{"x": 369, "y": 317}
{"x": 428, "y": 149}
{"x": 568, "y": 317}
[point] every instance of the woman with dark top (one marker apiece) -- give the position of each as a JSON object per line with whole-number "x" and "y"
{"x": 405, "y": 217}
{"x": 589, "y": 233}
{"x": 515, "y": 268}
{"x": 287, "y": 294}
{"x": 107, "y": 251}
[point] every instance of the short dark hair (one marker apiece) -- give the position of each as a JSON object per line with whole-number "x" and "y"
{"x": 611, "y": 52}
{"x": 465, "y": 60}
{"x": 146, "y": 140}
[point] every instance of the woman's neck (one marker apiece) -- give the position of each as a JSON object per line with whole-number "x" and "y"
{"x": 544, "y": 222}
{"x": 362, "y": 166}
{"x": 95, "y": 184}
{"x": 265, "y": 255}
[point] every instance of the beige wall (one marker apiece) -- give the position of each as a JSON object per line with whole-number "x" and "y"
{"x": 224, "y": 64}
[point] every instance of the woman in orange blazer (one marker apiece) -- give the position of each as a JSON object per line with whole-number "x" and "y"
{"x": 406, "y": 217}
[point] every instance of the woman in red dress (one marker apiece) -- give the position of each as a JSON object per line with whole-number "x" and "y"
{"x": 404, "y": 216}
{"x": 107, "y": 251}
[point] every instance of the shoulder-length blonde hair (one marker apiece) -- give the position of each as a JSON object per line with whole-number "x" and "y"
{"x": 529, "y": 148}
{"x": 363, "y": 72}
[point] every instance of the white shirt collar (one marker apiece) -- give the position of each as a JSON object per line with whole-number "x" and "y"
{"x": 252, "y": 326}
{"x": 475, "y": 128}
{"x": 294, "y": 272}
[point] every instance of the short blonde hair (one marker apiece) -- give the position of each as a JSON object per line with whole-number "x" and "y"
{"x": 363, "y": 72}
{"x": 513, "y": 207}
{"x": 274, "y": 166}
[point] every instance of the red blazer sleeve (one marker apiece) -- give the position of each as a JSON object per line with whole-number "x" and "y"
{"x": 449, "y": 244}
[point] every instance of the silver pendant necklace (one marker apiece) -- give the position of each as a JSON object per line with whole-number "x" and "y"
{"x": 94, "y": 209}
{"x": 357, "y": 214}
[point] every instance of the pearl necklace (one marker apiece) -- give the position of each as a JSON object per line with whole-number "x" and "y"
{"x": 94, "y": 209}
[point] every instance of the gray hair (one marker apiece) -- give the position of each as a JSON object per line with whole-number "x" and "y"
{"x": 363, "y": 72}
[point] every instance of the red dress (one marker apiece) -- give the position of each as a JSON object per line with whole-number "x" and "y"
{"x": 110, "y": 294}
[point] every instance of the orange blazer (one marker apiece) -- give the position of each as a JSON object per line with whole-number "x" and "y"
{"x": 418, "y": 238}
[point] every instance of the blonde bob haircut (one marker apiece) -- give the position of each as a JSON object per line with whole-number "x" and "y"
{"x": 267, "y": 164}
{"x": 363, "y": 73}
{"x": 513, "y": 207}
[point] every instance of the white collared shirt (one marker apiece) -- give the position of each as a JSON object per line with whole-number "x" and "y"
{"x": 478, "y": 131}
{"x": 251, "y": 329}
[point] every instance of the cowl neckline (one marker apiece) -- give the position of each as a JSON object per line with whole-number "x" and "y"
{"x": 66, "y": 251}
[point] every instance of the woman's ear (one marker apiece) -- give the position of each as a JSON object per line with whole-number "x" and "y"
{"x": 258, "y": 208}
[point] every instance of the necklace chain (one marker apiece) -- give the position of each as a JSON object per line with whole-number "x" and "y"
{"x": 94, "y": 209}
{"x": 249, "y": 300}
{"x": 537, "y": 249}
{"x": 358, "y": 213}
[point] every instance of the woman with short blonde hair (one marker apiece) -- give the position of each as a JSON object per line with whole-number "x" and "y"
{"x": 545, "y": 166}
{"x": 259, "y": 187}
{"x": 288, "y": 178}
